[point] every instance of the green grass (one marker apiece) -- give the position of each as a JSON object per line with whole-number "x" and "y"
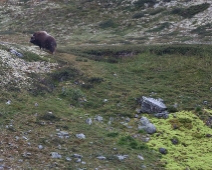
{"x": 106, "y": 80}
{"x": 79, "y": 90}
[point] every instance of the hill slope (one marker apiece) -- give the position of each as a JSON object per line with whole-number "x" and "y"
{"x": 79, "y": 109}
{"x": 111, "y": 22}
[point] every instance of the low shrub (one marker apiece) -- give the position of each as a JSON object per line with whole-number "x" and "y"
{"x": 191, "y": 11}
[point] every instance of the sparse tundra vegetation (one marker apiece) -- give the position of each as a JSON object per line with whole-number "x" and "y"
{"x": 81, "y": 107}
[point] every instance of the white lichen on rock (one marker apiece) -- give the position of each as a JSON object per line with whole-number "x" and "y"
{"x": 15, "y": 71}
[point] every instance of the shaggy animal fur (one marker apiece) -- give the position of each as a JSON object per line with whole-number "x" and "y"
{"x": 44, "y": 40}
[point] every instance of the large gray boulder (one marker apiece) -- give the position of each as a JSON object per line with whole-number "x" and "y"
{"x": 150, "y": 105}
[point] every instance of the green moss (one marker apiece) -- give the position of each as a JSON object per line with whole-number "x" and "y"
{"x": 194, "y": 148}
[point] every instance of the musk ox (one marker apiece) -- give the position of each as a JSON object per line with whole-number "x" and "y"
{"x": 44, "y": 40}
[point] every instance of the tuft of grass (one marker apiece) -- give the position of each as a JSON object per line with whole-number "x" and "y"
{"x": 130, "y": 142}
{"x": 113, "y": 134}
{"x": 107, "y": 24}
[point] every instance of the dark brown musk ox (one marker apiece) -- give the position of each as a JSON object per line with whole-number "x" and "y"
{"x": 44, "y": 41}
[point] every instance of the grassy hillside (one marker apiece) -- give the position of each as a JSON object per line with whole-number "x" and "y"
{"x": 92, "y": 85}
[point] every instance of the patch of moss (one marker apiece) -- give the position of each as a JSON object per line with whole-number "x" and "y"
{"x": 131, "y": 143}
{"x": 193, "y": 150}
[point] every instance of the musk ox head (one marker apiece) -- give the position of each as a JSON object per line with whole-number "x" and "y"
{"x": 44, "y": 41}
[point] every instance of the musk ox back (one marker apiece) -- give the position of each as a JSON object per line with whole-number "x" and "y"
{"x": 44, "y": 40}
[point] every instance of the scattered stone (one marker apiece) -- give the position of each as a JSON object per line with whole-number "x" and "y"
{"x": 26, "y": 154}
{"x": 1, "y": 160}
{"x": 205, "y": 102}
{"x": 68, "y": 159}
{"x": 80, "y": 136}
{"x": 89, "y": 121}
{"x": 146, "y": 139}
{"x": 208, "y": 135}
{"x": 163, "y": 151}
{"x": 150, "y": 105}
{"x": 77, "y": 156}
{"x": 105, "y": 100}
{"x": 147, "y": 126}
{"x": 164, "y": 115}
{"x": 127, "y": 119}
{"x": 8, "y": 102}
{"x": 140, "y": 157}
{"x": 36, "y": 104}
{"x": 136, "y": 116}
{"x": 78, "y": 160}
{"x": 175, "y": 141}
{"x": 16, "y": 53}
{"x": 24, "y": 137}
{"x": 101, "y": 157}
{"x": 122, "y": 157}
{"x": 40, "y": 146}
{"x": 99, "y": 118}
{"x": 150, "y": 128}
{"x": 83, "y": 162}
{"x": 144, "y": 121}
{"x": 55, "y": 155}
{"x": 63, "y": 134}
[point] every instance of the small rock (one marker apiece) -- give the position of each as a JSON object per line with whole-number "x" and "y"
{"x": 63, "y": 134}
{"x": 208, "y": 135}
{"x": 127, "y": 119}
{"x": 140, "y": 157}
{"x": 68, "y": 159}
{"x": 80, "y": 136}
{"x": 56, "y": 155}
{"x": 163, "y": 151}
{"x": 122, "y": 157}
{"x": 24, "y": 137}
{"x": 77, "y": 156}
{"x": 149, "y": 128}
{"x": 40, "y": 146}
{"x": 175, "y": 141}
{"x": 78, "y": 160}
{"x": 101, "y": 157}
{"x": 144, "y": 121}
{"x": 99, "y": 118}
{"x": 136, "y": 116}
{"x": 8, "y": 102}
{"x": 1, "y": 160}
{"x": 16, "y": 53}
{"x": 89, "y": 121}
{"x": 105, "y": 100}
{"x": 163, "y": 115}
